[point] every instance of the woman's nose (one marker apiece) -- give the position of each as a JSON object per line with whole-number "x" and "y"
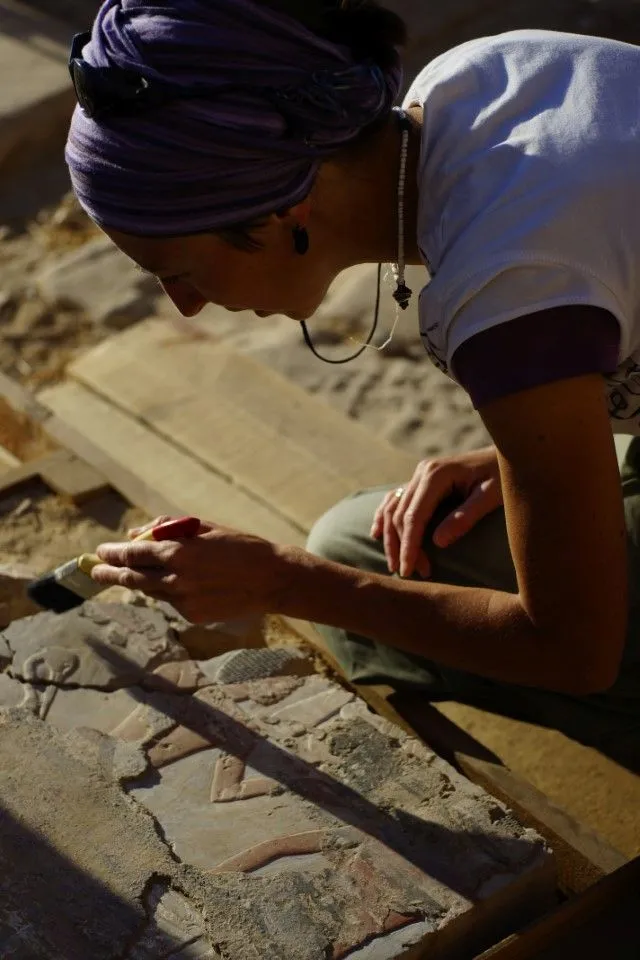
{"x": 186, "y": 298}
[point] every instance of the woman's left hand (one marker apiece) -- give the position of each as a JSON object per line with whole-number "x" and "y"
{"x": 221, "y": 574}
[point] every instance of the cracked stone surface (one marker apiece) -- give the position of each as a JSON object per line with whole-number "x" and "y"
{"x": 12, "y": 692}
{"x": 175, "y": 929}
{"x": 293, "y": 781}
{"x": 217, "y": 809}
{"x": 99, "y": 645}
{"x": 75, "y": 854}
{"x": 6, "y": 656}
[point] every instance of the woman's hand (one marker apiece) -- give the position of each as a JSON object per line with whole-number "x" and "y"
{"x": 219, "y": 575}
{"x": 402, "y": 521}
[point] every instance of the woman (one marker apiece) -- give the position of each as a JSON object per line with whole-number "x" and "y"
{"x": 230, "y": 138}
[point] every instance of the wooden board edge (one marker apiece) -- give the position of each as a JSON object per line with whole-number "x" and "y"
{"x": 17, "y": 476}
{"x": 72, "y": 477}
{"x": 122, "y": 480}
{"x": 8, "y": 460}
{"x": 582, "y": 855}
{"x": 568, "y": 918}
{"x": 22, "y": 399}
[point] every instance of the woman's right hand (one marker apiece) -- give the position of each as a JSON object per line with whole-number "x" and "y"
{"x": 402, "y": 521}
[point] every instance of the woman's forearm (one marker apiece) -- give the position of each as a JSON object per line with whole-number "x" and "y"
{"x": 485, "y": 632}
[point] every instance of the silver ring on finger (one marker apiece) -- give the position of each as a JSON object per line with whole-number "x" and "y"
{"x": 399, "y": 493}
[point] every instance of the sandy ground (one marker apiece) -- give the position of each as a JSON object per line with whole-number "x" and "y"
{"x": 38, "y": 341}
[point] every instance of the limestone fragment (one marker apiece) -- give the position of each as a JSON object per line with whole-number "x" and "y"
{"x": 105, "y": 646}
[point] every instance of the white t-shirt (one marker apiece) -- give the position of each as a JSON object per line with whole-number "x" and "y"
{"x": 530, "y": 191}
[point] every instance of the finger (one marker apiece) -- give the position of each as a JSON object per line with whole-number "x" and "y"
{"x": 483, "y": 499}
{"x": 145, "y": 553}
{"x": 152, "y": 582}
{"x": 417, "y": 513}
{"x": 407, "y": 502}
{"x": 423, "y": 565}
{"x": 137, "y": 531}
{"x": 377, "y": 525}
{"x": 398, "y": 509}
{"x": 391, "y": 540}
{"x": 411, "y": 520}
{"x": 403, "y": 509}
{"x": 377, "y": 528}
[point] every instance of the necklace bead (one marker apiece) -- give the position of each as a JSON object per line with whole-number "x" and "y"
{"x": 402, "y": 294}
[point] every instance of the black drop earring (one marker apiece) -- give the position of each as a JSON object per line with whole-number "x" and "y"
{"x": 300, "y": 240}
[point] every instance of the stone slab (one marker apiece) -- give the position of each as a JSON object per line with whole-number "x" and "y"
{"x": 93, "y": 709}
{"x": 273, "y": 816}
{"x": 6, "y": 656}
{"x": 174, "y": 921}
{"x": 76, "y": 858}
{"x": 12, "y": 692}
{"x": 236, "y": 666}
{"x": 291, "y": 782}
{"x": 103, "y": 283}
{"x": 104, "y": 646}
{"x": 36, "y": 96}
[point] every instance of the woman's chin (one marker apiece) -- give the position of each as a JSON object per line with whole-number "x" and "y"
{"x": 300, "y": 315}
{"x": 297, "y": 316}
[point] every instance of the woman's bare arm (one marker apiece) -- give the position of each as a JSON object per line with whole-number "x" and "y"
{"x": 565, "y": 627}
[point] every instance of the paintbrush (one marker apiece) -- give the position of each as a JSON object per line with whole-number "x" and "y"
{"x": 70, "y": 585}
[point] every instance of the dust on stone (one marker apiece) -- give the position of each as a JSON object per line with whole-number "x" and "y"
{"x": 277, "y": 690}
{"x": 364, "y": 755}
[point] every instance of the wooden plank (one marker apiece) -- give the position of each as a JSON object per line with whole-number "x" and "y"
{"x": 63, "y": 471}
{"x": 71, "y": 477}
{"x": 604, "y": 921}
{"x": 21, "y": 399}
{"x": 241, "y": 419}
{"x": 16, "y": 476}
{"x": 8, "y": 461}
{"x": 149, "y": 471}
{"x": 136, "y": 445}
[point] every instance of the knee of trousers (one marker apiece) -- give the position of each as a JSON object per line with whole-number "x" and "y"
{"x": 343, "y": 534}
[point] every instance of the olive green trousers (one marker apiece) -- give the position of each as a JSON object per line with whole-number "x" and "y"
{"x": 608, "y": 721}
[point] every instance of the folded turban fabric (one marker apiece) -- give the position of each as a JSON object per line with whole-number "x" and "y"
{"x": 273, "y": 101}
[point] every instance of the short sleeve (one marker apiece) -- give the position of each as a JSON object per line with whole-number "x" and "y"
{"x": 535, "y": 350}
{"x": 520, "y": 287}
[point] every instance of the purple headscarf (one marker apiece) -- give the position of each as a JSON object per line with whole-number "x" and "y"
{"x": 281, "y": 100}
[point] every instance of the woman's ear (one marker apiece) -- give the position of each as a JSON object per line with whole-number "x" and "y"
{"x": 297, "y": 216}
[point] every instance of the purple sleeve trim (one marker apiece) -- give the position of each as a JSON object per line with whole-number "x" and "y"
{"x": 537, "y": 349}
